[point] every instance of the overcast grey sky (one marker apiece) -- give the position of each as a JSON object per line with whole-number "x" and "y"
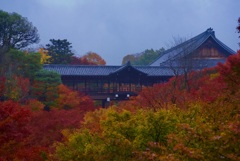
{"x": 115, "y": 28}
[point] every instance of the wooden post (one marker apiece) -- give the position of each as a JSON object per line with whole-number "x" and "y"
{"x": 103, "y": 103}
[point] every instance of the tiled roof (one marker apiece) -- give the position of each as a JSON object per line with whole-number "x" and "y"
{"x": 188, "y": 47}
{"x": 195, "y": 64}
{"x": 156, "y": 71}
{"x": 84, "y": 70}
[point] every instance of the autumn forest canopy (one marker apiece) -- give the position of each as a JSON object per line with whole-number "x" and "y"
{"x": 191, "y": 117}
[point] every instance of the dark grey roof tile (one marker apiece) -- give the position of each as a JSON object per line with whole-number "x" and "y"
{"x": 80, "y": 70}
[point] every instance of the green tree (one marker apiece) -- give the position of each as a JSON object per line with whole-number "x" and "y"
{"x": 149, "y": 56}
{"x": 16, "y": 31}
{"x": 22, "y": 64}
{"x": 143, "y": 58}
{"x": 119, "y": 136}
{"x": 60, "y": 51}
{"x": 45, "y": 87}
{"x": 17, "y": 72}
{"x": 127, "y": 58}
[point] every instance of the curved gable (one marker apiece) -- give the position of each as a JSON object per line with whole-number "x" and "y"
{"x": 128, "y": 73}
{"x": 128, "y": 69}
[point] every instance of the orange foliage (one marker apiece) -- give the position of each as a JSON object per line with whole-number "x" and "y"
{"x": 35, "y": 105}
{"x": 67, "y": 98}
{"x": 92, "y": 58}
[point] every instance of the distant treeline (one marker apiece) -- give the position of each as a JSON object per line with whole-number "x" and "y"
{"x": 143, "y": 58}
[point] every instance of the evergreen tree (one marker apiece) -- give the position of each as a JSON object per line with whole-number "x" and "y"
{"x": 60, "y": 51}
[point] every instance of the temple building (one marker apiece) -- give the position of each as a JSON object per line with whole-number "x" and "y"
{"x": 109, "y": 83}
{"x": 201, "y": 51}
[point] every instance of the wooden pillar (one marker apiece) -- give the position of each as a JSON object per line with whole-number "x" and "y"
{"x": 85, "y": 86}
{"x": 98, "y": 90}
{"x": 103, "y": 103}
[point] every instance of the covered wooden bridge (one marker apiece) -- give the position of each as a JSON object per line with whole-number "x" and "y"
{"x": 110, "y": 82}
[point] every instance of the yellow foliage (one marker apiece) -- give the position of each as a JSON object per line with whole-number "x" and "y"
{"x": 44, "y": 55}
{"x": 35, "y": 105}
{"x": 213, "y": 76}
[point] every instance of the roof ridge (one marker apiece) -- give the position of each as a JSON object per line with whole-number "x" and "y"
{"x": 127, "y": 65}
{"x": 76, "y": 65}
{"x": 191, "y": 39}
